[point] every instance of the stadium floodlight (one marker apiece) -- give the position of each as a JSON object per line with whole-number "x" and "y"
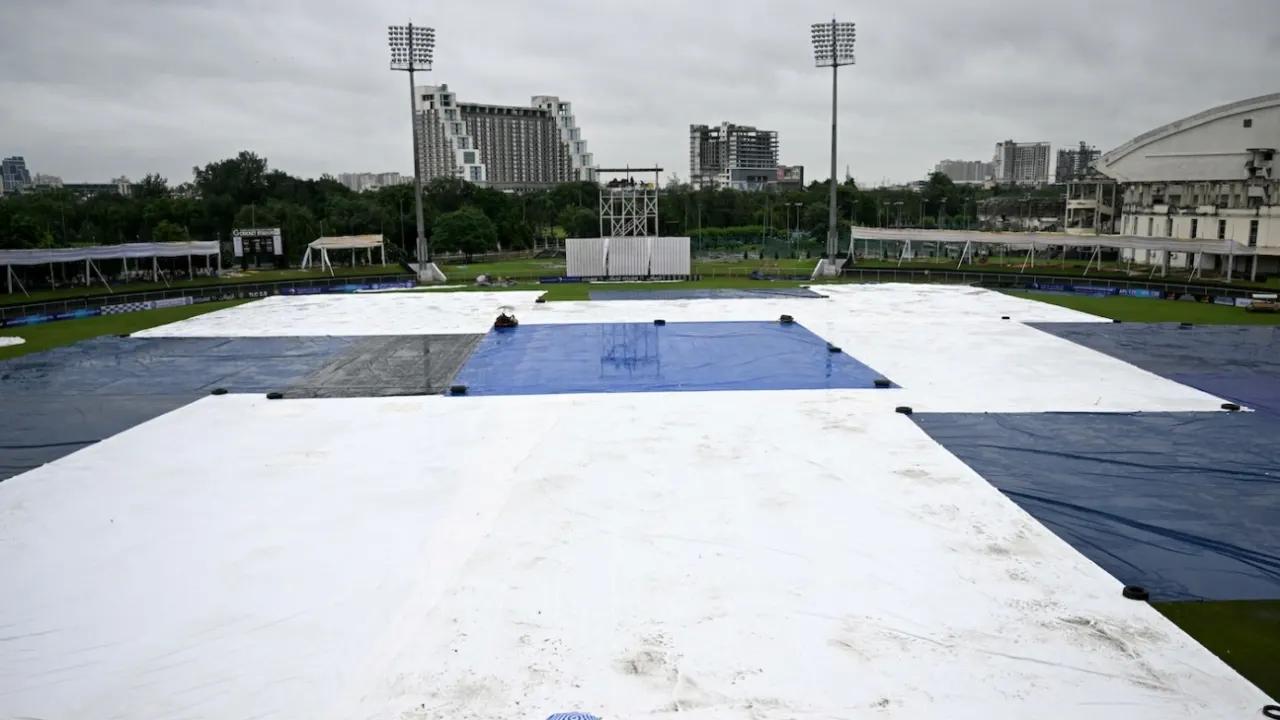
{"x": 412, "y": 47}
{"x": 833, "y": 47}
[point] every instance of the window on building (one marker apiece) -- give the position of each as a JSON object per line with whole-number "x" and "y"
{"x": 1248, "y": 122}
{"x": 1222, "y": 229}
{"x": 1195, "y": 225}
{"x": 1253, "y": 233}
{"x": 1168, "y": 227}
{"x": 469, "y": 158}
{"x": 1150, "y": 224}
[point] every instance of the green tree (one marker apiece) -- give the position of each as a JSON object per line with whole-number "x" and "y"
{"x": 169, "y": 232}
{"x": 579, "y": 222}
{"x": 466, "y": 231}
{"x": 152, "y": 186}
{"x": 23, "y": 232}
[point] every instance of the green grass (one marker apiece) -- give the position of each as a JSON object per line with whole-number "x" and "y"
{"x": 1131, "y": 309}
{"x": 525, "y": 269}
{"x": 248, "y": 276}
{"x": 1068, "y": 268}
{"x": 64, "y": 332}
{"x": 1244, "y": 633}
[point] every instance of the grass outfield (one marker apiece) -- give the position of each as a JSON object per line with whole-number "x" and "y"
{"x": 527, "y": 269}
{"x": 1244, "y": 633}
{"x": 250, "y": 276}
{"x": 1131, "y": 309}
{"x": 64, "y": 332}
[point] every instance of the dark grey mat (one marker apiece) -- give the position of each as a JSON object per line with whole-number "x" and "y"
{"x": 388, "y": 365}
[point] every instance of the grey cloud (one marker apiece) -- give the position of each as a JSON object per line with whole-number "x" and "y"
{"x": 95, "y": 89}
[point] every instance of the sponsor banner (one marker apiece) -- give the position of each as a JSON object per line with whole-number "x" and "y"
{"x": 349, "y": 287}
{"x": 38, "y": 319}
{"x": 1049, "y": 287}
{"x": 75, "y": 314}
{"x": 1094, "y": 291}
{"x": 172, "y": 302}
{"x": 128, "y": 307}
{"x": 27, "y": 320}
{"x": 1224, "y": 301}
{"x": 1141, "y": 292}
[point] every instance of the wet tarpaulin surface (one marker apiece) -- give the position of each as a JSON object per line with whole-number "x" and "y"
{"x": 390, "y": 365}
{"x": 1237, "y": 362}
{"x": 706, "y": 294}
{"x": 644, "y": 357}
{"x": 61, "y": 400}
{"x": 1184, "y": 504}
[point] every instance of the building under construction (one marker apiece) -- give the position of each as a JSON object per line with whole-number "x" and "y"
{"x": 732, "y": 156}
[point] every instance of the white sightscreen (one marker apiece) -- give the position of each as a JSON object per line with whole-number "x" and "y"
{"x": 584, "y": 257}
{"x": 628, "y": 256}
{"x": 669, "y": 256}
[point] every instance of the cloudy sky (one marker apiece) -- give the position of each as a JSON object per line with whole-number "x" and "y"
{"x": 91, "y": 89}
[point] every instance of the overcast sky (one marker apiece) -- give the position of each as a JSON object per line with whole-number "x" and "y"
{"x": 91, "y": 89}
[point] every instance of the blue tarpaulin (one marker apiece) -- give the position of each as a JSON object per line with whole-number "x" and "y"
{"x": 1184, "y": 504}
{"x": 644, "y": 357}
{"x": 1237, "y": 362}
{"x": 58, "y": 401}
{"x": 705, "y": 294}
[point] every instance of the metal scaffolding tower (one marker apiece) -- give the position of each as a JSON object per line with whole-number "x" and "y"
{"x": 628, "y": 207}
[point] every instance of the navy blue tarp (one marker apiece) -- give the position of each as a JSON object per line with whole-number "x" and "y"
{"x": 58, "y": 401}
{"x": 643, "y": 357}
{"x": 1184, "y": 504}
{"x": 1237, "y": 362}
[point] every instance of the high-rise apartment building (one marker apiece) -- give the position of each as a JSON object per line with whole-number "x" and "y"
{"x": 359, "y": 182}
{"x": 1073, "y": 164}
{"x": 501, "y": 146}
{"x": 965, "y": 171}
{"x": 733, "y": 156}
{"x": 14, "y": 176}
{"x": 1021, "y": 163}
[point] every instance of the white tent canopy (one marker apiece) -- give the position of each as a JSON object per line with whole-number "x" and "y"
{"x": 109, "y": 252}
{"x": 1032, "y": 241}
{"x": 1043, "y": 240}
{"x": 122, "y": 251}
{"x": 344, "y": 242}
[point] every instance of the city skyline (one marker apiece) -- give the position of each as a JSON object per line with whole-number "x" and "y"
{"x": 324, "y": 103}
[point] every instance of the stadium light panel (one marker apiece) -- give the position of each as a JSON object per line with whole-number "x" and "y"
{"x": 412, "y": 46}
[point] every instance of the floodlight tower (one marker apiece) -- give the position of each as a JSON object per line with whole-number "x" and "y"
{"x": 832, "y": 47}
{"x": 412, "y": 47}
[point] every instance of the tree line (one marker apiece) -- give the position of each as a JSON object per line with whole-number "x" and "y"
{"x": 244, "y": 191}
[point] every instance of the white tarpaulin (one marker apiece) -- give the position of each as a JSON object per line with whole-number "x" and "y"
{"x": 345, "y": 242}
{"x": 725, "y": 555}
{"x": 109, "y": 252}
